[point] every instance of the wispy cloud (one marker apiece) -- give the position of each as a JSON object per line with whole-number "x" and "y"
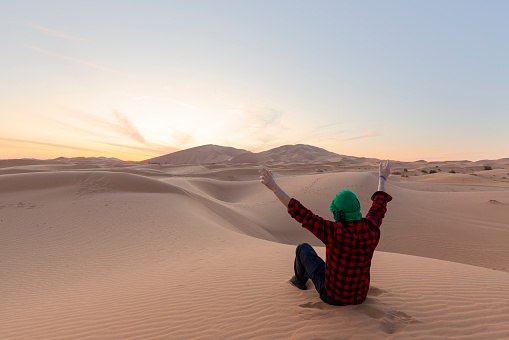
{"x": 324, "y": 132}
{"x": 264, "y": 117}
{"x": 127, "y": 128}
{"x": 98, "y": 128}
{"x": 157, "y": 149}
{"x": 22, "y": 141}
{"x": 181, "y": 138}
{"x": 54, "y": 33}
{"x": 141, "y": 97}
{"x": 79, "y": 61}
{"x": 368, "y": 133}
{"x": 82, "y": 129}
{"x": 258, "y": 127}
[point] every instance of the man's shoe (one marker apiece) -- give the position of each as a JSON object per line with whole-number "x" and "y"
{"x": 294, "y": 282}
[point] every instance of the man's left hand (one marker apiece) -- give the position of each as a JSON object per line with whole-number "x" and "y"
{"x": 267, "y": 179}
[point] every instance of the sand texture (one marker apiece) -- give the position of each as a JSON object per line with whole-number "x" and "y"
{"x": 100, "y": 249}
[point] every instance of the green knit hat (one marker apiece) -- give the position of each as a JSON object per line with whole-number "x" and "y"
{"x": 346, "y": 207}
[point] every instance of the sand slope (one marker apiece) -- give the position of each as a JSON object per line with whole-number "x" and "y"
{"x": 288, "y": 153}
{"x": 208, "y": 154}
{"x": 199, "y": 155}
{"x": 128, "y": 253}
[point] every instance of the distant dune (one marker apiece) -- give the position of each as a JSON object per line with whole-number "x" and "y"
{"x": 289, "y": 153}
{"x": 199, "y": 155}
{"x": 207, "y": 154}
{"x": 4, "y": 163}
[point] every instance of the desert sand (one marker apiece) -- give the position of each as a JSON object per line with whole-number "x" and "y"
{"x": 99, "y": 249}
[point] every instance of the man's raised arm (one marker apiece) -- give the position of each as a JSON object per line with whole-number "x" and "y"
{"x": 384, "y": 170}
{"x": 267, "y": 178}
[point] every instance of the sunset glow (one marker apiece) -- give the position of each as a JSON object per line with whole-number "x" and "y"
{"x": 401, "y": 80}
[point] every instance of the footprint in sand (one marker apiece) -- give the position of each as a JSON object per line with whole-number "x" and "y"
{"x": 316, "y": 310}
{"x": 26, "y": 205}
{"x": 317, "y": 305}
{"x": 390, "y": 321}
{"x": 374, "y": 291}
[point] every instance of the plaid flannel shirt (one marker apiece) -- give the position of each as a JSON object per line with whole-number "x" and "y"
{"x": 349, "y": 248}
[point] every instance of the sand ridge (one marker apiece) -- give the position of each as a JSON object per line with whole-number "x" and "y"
{"x": 158, "y": 252}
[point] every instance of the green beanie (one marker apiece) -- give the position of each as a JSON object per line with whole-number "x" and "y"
{"x": 346, "y": 207}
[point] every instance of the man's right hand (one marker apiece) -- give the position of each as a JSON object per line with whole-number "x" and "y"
{"x": 385, "y": 169}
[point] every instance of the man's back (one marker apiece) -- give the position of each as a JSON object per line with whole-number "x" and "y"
{"x": 350, "y": 243}
{"x": 349, "y": 248}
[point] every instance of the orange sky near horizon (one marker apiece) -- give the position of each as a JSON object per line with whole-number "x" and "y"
{"x": 399, "y": 80}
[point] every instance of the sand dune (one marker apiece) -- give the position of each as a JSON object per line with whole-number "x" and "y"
{"x": 199, "y": 155}
{"x": 210, "y": 154}
{"x": 288, "y": 153}
{"x": 160, "y": 252}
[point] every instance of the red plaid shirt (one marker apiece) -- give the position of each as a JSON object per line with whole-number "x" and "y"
{"x": 349, "y": 248}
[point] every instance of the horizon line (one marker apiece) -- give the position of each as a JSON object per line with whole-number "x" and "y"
{"x": 419, "y": 159}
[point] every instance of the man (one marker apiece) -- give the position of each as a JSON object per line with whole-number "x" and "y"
{"x": 343, "y": 279}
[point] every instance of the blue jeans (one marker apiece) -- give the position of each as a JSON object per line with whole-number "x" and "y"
{"x": 308, "y": 265}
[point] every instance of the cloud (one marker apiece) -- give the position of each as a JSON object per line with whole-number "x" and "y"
{"x": 324, "y": 132}
{"x": 103, "y": 130}
{"x": 368, "y": 133}
{"x": 79, "y": 61}
{"x": 157, "y": 149}
{"x": 81, "y": 129}
{"x": 264, "y": 117}
{"x": 127, "y": 128}
{"x": 256, "y": 127}
{"x": 54, "y": 33}
{"x": 181, "y": 138}
{"x": 21, "y": 141}
{"x": 141, "y": 98}
{"x": 84, "y": 123}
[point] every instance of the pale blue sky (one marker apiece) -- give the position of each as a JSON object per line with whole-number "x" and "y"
{"x": 404, "y": 80}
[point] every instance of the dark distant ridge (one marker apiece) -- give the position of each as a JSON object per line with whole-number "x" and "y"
{"x": 25, "y": 162}
{"x": 210, "y": 153}
{"x": 77, "y": 159}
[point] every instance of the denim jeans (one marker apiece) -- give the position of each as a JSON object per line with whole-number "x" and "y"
{"x": 308, "y": 265}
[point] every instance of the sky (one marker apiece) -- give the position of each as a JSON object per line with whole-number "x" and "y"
{"x": 404, "y": 80}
